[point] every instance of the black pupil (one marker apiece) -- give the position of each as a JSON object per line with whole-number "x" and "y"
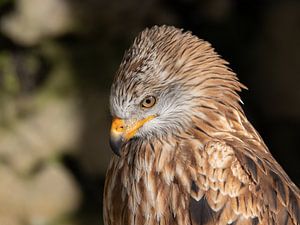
{"x": 148, "y": 101}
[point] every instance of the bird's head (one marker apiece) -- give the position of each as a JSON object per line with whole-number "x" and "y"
{"x": 162, "y": 81}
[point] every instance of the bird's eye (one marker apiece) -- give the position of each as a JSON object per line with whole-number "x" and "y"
{"x": 148, "y": 102}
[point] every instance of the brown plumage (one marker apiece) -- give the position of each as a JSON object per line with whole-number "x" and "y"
{"x": 187, "y": 154}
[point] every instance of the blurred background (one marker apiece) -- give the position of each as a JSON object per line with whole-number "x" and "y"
{"x": 57, "y": 61}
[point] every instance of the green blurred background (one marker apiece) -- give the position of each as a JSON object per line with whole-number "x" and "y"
{"x": 58, "y": 58}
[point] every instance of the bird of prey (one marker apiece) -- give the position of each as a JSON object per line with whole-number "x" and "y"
{"x": 186, "y": 153}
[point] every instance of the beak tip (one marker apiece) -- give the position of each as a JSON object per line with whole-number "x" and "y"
{"x": 115, "y": 144}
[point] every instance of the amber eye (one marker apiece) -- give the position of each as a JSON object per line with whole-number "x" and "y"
{"x": 148, "y": 102}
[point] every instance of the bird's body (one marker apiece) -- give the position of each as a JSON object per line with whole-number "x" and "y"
{"x": 192, "y": 157}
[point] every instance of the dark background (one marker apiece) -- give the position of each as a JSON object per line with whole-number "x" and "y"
{"x": 57, "y": 61}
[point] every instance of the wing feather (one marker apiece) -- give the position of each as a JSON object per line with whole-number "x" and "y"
{"x": 245, "y": 187}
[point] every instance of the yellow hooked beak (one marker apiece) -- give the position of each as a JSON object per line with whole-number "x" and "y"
{"x": 121, "y": 132}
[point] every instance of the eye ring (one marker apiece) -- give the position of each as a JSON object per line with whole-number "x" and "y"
{"x": 148, "y": 102}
